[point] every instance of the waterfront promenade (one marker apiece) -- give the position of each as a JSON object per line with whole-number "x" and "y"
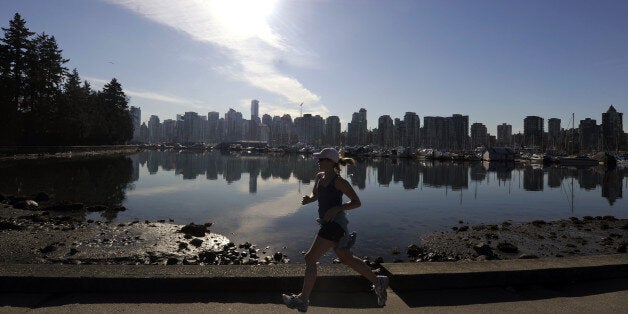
{"x": 581, "y": 284}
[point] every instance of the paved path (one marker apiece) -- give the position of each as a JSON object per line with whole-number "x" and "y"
{"x": 606, "y": 296}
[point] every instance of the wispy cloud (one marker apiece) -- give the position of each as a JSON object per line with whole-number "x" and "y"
{"x": 241, "y": 29}
{"x": 148, "y": 94}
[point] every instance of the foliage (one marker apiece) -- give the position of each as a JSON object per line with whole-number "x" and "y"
{"x": 41, "y": 103}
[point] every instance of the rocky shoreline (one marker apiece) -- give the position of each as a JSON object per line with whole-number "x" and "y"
{"x": 36, "y": 230}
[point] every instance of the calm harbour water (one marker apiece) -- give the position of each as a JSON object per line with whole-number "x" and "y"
{"x": 257, "y": 198}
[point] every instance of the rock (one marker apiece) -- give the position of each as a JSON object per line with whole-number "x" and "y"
{"x": 463, "y": 228}
{"x": 196, "y": 242}
{"x": 528, "y": 256}
{"x": 479, "y": 227}
{"x": 73, "y": 251}
{"x": 609, "y": 218}
{"x": 245, "y": 245}
{"x": 414, "y": 250}
{"x": 42, "y": 197}
{"x": 172, "y": 261}
{"x": 622, "y": 248}
{"x": 96, "y": 208}
{"x": 538, "y": 223}
{"x": 118, "y": 208}
{"x": 194, "y": 230}
{"x": 48, "y": 249}
{"x": 207, "y": 257}
{"x": 491, "y": 236}
{"x": 65, "y": 207}
{"x": 183, "y": 246}
{"x": 15, "y": 200}
{"x": 483, "y": 249}
{"x": 278, "y": 256}
{"x": 6, "y": 225}
{"x": 208, "y": 224}
{"x": 507, "y": 247}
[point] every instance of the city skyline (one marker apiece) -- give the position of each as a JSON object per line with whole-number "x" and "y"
{"x": 496, "y": 62}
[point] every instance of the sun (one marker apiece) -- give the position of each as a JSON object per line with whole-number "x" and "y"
{"x": 244, "y": 19}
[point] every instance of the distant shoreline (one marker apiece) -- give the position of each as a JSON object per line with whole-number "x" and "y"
{"x": 35, "y": 152}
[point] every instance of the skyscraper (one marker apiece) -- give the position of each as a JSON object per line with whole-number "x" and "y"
{"x": 589, "y": 135}
{"x": 479, "y": 135}
{"x": 413, "y": 126}
{"x": 332, "y": 130}
{"x": 533, "y": 131}
{"x": 613, "y": 129}
{"x": 553, "y": 129}
{"x": 385, "y": 131}
{"x": 357, "y": 128}
{"x": 504, "y": 134}
{"x": 136, "y": 115}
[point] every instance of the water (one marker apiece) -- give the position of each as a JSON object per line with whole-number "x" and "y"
{"x": 257, "y": 198}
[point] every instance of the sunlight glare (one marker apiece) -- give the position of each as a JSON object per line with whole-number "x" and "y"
{"x": 245, "y": 18}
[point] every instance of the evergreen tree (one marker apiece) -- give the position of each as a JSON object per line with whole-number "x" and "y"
{"x": 45, "y": 73}
{"x": 13, "y": 74}
{"x": 113, "y": 103}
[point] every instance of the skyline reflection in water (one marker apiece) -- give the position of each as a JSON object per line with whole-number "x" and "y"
{"x": 257, "y": 198}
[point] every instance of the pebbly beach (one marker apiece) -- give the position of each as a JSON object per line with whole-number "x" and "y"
{"x": 45, "y": 232}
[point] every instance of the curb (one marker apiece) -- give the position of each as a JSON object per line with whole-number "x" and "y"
{"x": 59, "y": 278}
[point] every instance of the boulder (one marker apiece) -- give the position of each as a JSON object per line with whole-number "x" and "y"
{"x": 42, "y": 197}
{"x": 196, "y": 242}
{"x": 172, "y": 261}
{"x": 414, "y": 250}
{"x": 507, "y": 247}
{"x": 278, "y": 256}
{"x": 6, "y": 225}
{"x": 65, "y": 207}
{"x": 96, "y": 208}
{"x": 194, "y": 230}
{"x": 483, "y": 249}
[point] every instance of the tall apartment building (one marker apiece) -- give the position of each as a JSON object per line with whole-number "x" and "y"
{"x": 435, "y": 132}
{"x": 400, "y": 132}
{"x": 136, "y": 116}
{"x": 479, "y": 135}
{"x": 233, "y": 121}
{"x": 309, "y": 128}
{"x": 504, "y": 134}
{"x": 533, "y": 131}
{"x": 613, "y": 130}
{"x": 458, "y": 132}
{"x": 386, "y": 133}
{"x": 212, "y": 127}
{"x": 589, "y": 135}
{"x": 554, "y": 135}
{"x": 169, "y": 131}
{"x": 412, "y": 124}
{"x": 192, "y": 131}
{"x": 154, "y": 129}
{"x": 332, "y": 130}
{"x": 357, "y": 128}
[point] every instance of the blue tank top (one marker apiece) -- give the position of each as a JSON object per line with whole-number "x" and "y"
{"x": 328, "y": 196}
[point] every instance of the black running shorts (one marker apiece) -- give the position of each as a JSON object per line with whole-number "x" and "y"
{"x": 331, "y": 231}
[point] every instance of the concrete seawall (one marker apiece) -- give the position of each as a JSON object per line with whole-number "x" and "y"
{"x": 58, "y": 278}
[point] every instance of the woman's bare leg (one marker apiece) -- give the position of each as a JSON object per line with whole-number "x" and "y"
{"x": 319, "y": 247}
{"x": 347, "y": 258}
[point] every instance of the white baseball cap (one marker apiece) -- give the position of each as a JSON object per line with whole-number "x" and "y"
{"x": 329, "y": 153}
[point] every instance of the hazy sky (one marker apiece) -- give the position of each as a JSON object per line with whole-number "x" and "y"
{"x": 495, "y": 61}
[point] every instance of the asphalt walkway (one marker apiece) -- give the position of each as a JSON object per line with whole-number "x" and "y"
{"x": 594, "y": 284}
